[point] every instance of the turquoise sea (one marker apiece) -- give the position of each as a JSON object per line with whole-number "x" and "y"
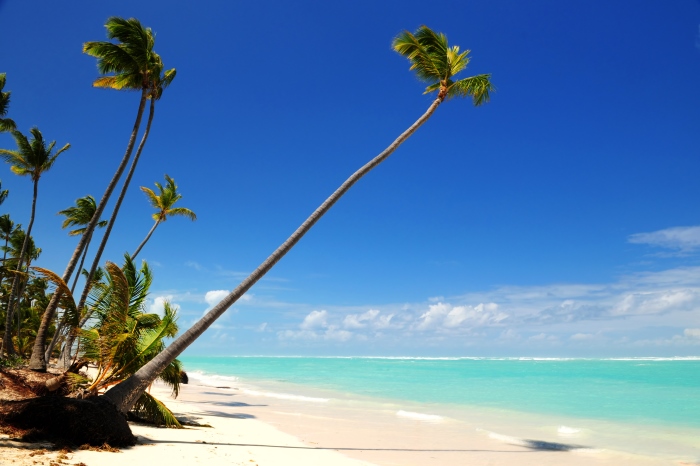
{"x": 647, "y": 405}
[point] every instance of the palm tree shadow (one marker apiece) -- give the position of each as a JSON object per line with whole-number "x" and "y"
{"x": 541, "y": 445}
{"x": 236, "y": 404}
{"x": 228, "y": 415}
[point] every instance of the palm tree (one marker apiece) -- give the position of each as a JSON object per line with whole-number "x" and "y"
{"x": 127, "y": 64}
{"x": 163, "y": 202}
{"x": 159, "y": 80}
{"x": 78, "y": 215}
{"x": 7, "y": 228}
{"x": 32, "y": 158}
{"x": 435, "y": 63}
{"x": 13, "y": 247}
{"x": 124, "y": 337}
{"x": 6, "y": 124}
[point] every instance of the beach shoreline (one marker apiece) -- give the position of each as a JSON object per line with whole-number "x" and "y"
{"x": 276, "y": 422}
{"x": 253, "y": 427}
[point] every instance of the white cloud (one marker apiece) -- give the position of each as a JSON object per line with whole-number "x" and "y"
{"x": 156, "y": 307}
{"x": 684, "y": 239}
{"x": 448, "y": 316}
{"x": 214, "y": 296}
{"x": 582, "y": 336}
{"x": 315, "y": 319}
{"x": 692, "y": 333}
{"x": 360, "y": 320}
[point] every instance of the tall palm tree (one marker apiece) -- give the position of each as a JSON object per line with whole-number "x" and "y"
{"x": 159, "y": 80}
{"x": 32, "y": 158}
{"x": 127, "y": 64}
{"x": 6, "y": 124}
{"x": 435, "y": 63}
{"x": 163, "y": 202}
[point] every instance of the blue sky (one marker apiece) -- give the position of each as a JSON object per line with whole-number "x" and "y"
{"x": 560, "y": 219}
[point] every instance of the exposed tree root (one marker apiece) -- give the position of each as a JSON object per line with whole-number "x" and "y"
{"x": 66, "y": 421}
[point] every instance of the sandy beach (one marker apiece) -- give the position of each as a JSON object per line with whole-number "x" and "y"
{"x": 252, "y": 427}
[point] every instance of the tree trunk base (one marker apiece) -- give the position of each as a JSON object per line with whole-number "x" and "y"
{"x": 66, "y": 421}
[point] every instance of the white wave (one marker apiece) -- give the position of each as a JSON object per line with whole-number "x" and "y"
{"x": 419, "y": 416}
{"x": 284, "y": 396}
{"x": 567, "y": 431}
{"x": 211, "y": 380}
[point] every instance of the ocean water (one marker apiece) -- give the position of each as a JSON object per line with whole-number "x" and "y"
{"x": 641, "y": 405}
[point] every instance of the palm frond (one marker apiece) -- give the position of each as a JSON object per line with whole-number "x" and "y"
{"x": 153, "y": 410}
{"x": 478, "y": 87}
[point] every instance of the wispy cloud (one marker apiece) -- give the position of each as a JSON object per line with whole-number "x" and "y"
{"x": 681, "y": 239}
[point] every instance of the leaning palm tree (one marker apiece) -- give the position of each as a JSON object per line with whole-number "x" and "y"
{"x": 32, "y": 158}
{"x": 435, "y": 63}
{"x": 6, "y": 124}
{"x": 158, "y": 81}
{"x": 163, "y": 202}
{"x": 127, "y": 66}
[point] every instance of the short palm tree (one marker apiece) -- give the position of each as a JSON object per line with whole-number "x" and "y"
{"x": 159, "y": 80}
{"x": 434, "y": 62}
{"x": 80, "y": 215}
{"x": 163, "y": 202}
{"x": 126, "y": 65}
{"x": 7, "y": 227}
{"x": 32, "y": 158}
{"x": 6, "y": 124}
{"x": 124, "y": 337}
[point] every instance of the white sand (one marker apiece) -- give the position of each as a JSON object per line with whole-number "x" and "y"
{"x": 251, "y": 427}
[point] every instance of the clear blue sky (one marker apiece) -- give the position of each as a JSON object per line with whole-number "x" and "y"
{"x": 561, "y": 219}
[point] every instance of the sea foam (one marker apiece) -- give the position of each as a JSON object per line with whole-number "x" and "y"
{"x": 419, "y": 416}
{"x": 284, "y": 396}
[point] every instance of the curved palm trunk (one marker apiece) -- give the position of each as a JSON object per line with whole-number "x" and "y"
{"x": 122, "y": 194}
{"x": 108, "y": 230}
{"x": 37, "y": 361}
{"x": 143, "y": 243}
{"x": 7, "y": 341}
{"x": 125, "y": 394}
{"x": 59, "y": 329}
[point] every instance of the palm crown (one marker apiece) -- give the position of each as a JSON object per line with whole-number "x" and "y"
{"x": 131, "y": 64}
{"x": 32, "y": 157}
{"x": 80, "y": 214}
{"x": 129, "y": 60}
{"x": 436, "y": 63}
{"x": 165, "y": 199}
{"x": 6, "y": 124}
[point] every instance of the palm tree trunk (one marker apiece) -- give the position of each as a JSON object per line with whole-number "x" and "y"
{"x": 122, "y": 194}
{"x": 82, "y": 262}
{"x": 125, "y": 394}
{"x": 143, "y": 243}
{"x": 7, "y": 343}
{"x": 37, "y": 361}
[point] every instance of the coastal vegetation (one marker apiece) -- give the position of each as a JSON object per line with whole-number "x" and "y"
{"x": 107, "y": 328}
